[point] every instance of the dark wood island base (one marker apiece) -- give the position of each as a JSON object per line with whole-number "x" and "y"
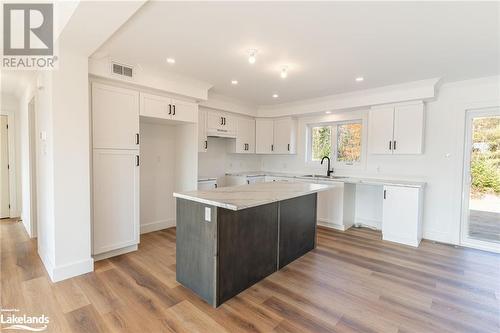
{"x": 220, "y": 258}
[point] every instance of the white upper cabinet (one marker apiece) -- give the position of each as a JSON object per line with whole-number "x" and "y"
{"x": 202, "y": 131}
{"x": 115, "y": 117}
{"x": 276, "y": 136}
{"x": 396, "y": 129}
{"x": 285, "y": 136}
{"x": 245, "y": 136}
{"x": 264, "y": 136}
{"x": 380, "y": 132}
{"x": 221, "y": 124}
{"x": 408, "y": 129}
{"x": 161, "y": 107}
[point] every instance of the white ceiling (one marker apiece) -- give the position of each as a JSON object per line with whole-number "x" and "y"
{"x": 325, "y": 44}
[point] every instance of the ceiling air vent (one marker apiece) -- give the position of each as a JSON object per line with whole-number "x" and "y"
{"x": 123, "y": 70}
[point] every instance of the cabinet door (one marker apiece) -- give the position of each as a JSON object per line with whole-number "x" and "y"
{"x": 115, "y": 117}
{"x": 229, "y": 123}
{"x": 155, "y": 106}
{"x": 408, "y": 129}
{"x": 264, "y": 137}
{"x": 202, "y": 131}
{"x": 400, "y": 215}
{"x": 245, "y": 136}
{"x": 380, "y": 130}
{"x": 115, "y": 199}
{"x": 184, "y": 111}
{"x": 284, "y": 136}
{"x": 214, "y": 121}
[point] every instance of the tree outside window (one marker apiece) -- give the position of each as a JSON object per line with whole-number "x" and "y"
{"x": 321, "y": 144}
{"x": 349, "y": 142}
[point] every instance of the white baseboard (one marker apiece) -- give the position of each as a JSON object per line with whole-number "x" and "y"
{"x": 157, "y": 225}
{"x": 67, "y": 271}
{"x": 401, "y": 239}
{"x": 438, "y": 236}
{"x": 371, "y": 223}
{"x": 114, "y": 253}
{"x": 334, "y": 225}
{"x": 47, "y": 263}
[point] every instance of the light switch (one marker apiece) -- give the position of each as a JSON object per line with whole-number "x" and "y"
{"x": 208, "y": 214}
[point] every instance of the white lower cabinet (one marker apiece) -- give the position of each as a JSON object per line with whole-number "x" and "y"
{"x": 402, "y": 215}
{"x": 115, "y": 200}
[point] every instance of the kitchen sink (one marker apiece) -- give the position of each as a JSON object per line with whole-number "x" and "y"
{"x": 322, "y": 176}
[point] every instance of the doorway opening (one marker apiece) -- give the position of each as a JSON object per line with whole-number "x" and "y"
{"x": 4, "y": 168}
{"x": 481, "y": 195}
{"x": 32, "y": 166}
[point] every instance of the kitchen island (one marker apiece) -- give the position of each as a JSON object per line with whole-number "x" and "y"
{"x": 230, "y": 238}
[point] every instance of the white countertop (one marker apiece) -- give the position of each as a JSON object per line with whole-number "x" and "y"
{"x": 346, "y": 179}
{"x": 246, "y": 196}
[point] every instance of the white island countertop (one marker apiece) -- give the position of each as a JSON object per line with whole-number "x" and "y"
{"x": 246, "y": 196}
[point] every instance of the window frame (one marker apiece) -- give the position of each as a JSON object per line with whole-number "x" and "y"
{"x": 334, "y": 143}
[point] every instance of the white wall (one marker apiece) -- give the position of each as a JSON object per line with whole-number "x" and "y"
{"x": 217, "y": 161}
{"x": 440, "y": 165}
{"x": 157, "y": 179}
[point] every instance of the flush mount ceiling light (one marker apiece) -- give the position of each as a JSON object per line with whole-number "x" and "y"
{"x": 284, "y": 72}
{"x": 328, "y": 112}
{"x": 171, "y": 61}
{"x": 360, "y": 79}
{"x": 252, "y": 56}
{"x": 234, "y": 82}
{"x": 275, "y": 96}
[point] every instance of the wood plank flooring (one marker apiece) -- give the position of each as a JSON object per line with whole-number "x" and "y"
{"x": 352, "y": 282}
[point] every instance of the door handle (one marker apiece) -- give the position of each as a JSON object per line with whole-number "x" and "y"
{"x": 174, "y": 111}
{"x": 170, "y": 109}
{"x": 137, "y": 140}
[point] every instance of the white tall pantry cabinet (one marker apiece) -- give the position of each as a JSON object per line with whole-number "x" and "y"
{"x": 115, "y": 120}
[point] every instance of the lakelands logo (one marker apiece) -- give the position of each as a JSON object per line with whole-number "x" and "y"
{"x": 28, "y": 36}
{"x": 10, "y": 319}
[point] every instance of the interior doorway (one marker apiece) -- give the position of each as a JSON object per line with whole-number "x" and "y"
{"x": 481, "y": 195}
{"x": 4, "y": 168}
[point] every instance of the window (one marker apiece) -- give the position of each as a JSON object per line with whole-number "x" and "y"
{"x": 341, "y": 141}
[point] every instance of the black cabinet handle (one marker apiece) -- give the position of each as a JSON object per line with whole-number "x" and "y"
{"x": 385, "y": 194}
{"x": 215, "y": 185}
{"x": 272, "y": 147}
{"x": 390, "y": 145}
{"x": 206, "y": 144}
{"x": 170, "y": 109}
{"x": 248, "y": 182}
{"x": 137, "y": 162}
{"x": 174, "y": 110}
{"x": 222, "y": 120}
{"x": 137, "y": 140}
{"x": 288, "y": 147}
{"x": 394, "y": 145}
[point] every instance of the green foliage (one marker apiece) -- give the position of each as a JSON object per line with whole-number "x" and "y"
{"x": 485, "y": 175}
{"x": 321, "y": 142}
{"x": 349, "y": 142}
{"x": 485, "y": 164}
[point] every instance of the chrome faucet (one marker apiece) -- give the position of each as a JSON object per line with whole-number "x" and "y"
{"x": 328, "y": 171}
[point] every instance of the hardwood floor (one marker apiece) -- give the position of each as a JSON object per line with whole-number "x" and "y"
{"x": 352, "y": 282}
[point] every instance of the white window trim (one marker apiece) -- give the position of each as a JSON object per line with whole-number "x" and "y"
{"x": 336, "y": 164}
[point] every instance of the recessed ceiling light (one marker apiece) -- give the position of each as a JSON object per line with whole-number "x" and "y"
{"x": 284, "y": 72}
{"x": 171, "y": 60}
{"x": 252, "y": 56}
{"x": 360, "y": 79}
{"x": 235, "y": 82}
{"x": 328, "y": 112}
{"x": 275, "y": 96}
